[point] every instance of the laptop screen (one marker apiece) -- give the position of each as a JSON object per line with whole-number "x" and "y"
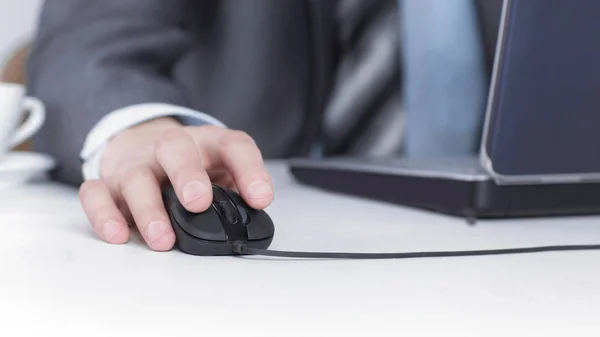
{"x": 543, "y": 115}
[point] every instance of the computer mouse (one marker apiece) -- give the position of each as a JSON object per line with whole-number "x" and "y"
{"x": 212, "y": 232}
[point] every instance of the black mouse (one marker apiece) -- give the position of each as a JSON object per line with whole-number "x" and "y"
{"x": 228, "y": 219}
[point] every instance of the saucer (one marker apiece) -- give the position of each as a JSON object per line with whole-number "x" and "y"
{"x": 18, "y": 167}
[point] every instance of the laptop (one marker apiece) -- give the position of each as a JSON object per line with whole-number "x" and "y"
{"x": 540, "y": 145}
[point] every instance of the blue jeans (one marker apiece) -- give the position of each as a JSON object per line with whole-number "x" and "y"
{"x": 444, "y": 77}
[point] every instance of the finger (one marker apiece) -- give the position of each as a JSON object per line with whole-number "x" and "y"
{"x": 235, "y": 151}
{"x": 141, "y": 192}
{"x": 241, "y": 156}
{"x": 177, "y": 154}
{"x": 104, "y": 215}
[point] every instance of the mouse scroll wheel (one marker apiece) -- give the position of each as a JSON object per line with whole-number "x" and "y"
{"x": 229, "y": 211}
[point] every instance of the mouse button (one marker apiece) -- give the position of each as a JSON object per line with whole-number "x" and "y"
{"x": 260, "y": 226}
{"x": 206, "y": 225}
{"x": 243, "y": 213}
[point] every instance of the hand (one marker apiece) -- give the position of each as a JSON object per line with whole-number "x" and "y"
{"x": 137, "y": 161}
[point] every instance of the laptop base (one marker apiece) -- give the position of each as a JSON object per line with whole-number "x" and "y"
{"x": 465, "y": 192}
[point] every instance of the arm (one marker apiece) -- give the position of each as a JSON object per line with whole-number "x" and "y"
{"x": 102, "y": 69}
{"x": 91, "y": 58}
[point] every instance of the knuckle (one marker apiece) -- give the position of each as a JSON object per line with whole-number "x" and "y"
{"x": 171, "y": 136}
{"x": 235, "y": 137}
{"x": 135, "y": 176}
{"x": 89, "y": 188}
{"x": 174, "y": 140}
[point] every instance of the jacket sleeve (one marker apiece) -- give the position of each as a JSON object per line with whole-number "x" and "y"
{"x": 91, "y": 57}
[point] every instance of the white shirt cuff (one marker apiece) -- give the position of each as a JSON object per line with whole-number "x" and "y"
{"x": 122, "y": 119}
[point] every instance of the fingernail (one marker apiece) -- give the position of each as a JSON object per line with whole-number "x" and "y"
{"x": 110, "y": 230}
{"x": 155, "y": 230}
{"x": 259, "y": 189}
{"x": 193, "y": 191}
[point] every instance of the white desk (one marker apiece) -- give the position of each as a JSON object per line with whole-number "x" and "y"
{"x": 56, "y": 276}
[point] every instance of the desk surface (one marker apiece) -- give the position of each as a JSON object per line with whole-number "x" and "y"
{"x": 56, "y": 276}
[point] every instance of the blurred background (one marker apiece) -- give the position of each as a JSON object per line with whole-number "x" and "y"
{"x": 18, "y": 18}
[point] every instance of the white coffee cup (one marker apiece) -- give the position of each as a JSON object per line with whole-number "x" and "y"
{"x": 14, "y": 105}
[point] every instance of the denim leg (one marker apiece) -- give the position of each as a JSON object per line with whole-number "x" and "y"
{"x": 444, "y": 82}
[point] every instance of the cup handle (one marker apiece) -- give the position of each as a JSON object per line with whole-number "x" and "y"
{"x": 36, "y": 112}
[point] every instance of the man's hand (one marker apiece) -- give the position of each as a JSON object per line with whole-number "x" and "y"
{"x": 137, "y": 161}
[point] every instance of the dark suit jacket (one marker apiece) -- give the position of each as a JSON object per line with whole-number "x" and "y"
{"x": 264, "y": 66}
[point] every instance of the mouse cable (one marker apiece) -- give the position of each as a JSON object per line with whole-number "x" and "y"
{"x": 239, "y": 247}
